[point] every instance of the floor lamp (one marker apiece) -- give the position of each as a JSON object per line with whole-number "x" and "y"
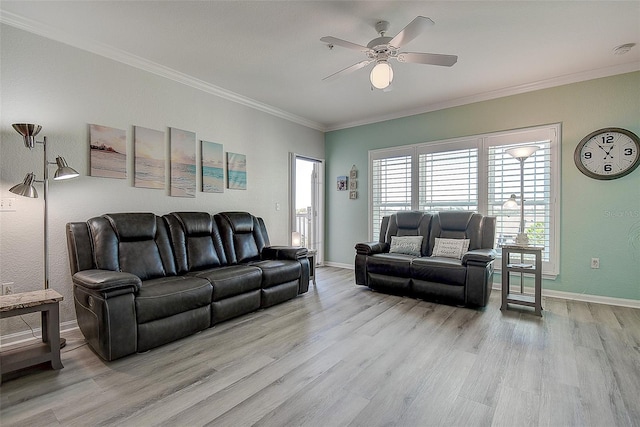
{"x": 26, "y": 188}
{"x": 521, "y": 154}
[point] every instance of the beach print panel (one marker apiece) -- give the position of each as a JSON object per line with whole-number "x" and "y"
{"x": 108, "y": 152}
{"x": 149, "y": 158}
{"x": 212, "y": 167}
{"x": 183, "y": 163}
{"x": 236, "y": 171}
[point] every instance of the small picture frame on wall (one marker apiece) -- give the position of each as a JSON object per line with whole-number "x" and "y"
{"x": 342, "y": 183}
{"x": 353, "y": 195}
{"x": 353, "y": 184}
{"x": 353, "y": 174}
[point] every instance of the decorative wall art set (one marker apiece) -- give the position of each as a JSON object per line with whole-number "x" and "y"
{"x": 349, "y": 183}
{"x": 108, "y": 159}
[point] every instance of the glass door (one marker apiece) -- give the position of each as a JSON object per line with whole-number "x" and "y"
{"x": 307, "y": 199}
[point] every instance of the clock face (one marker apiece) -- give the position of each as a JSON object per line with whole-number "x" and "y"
{"x": 608, "y": 153}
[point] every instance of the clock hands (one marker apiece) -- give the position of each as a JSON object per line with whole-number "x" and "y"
{"x": 607, "y": 153}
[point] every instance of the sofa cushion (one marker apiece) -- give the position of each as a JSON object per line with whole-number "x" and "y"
{"x": 390, "y": 264}
{"x": 439, "y": 269}
{"x": 409, "y": 245}
{"x": 450, "y": 248}
{"x": 276, "y": 272}
{"x": 232, "y": 280}
{"x": 164, "y": 297}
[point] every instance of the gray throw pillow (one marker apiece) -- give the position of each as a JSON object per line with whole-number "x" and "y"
{"x": 450, "y": 248}
{"x": 408, "y": 245}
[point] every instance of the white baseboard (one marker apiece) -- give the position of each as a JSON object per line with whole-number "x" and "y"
{"x": 25, "y": 336}
{"x": 339, "y": 265}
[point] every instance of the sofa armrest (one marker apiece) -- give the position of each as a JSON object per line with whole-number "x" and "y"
{"x": 479, "y": 255}
{"x": 107, "y": 281}
{"x": 106, "y": 311}
{"x": 284, "y": 252}
{"x": 370, "y": 248}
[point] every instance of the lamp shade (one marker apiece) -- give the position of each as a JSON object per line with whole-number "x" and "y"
{"x": 511, "y": 203}
{"x": 295, "y": 238}
{"x": 382, "y": 75}
{"x": 64, "y": 171}
{"x": 26, "y": 188}
{"x": 28, "y": 132}
{"x": 523, "y": 152}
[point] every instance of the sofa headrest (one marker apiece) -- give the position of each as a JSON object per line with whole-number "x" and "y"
{"x": 455, "y": 220}
{"x": 133, "y": 226}
{"x": 241, "y": 222}
{"x": 195, "y": 223}
{"x": 409, "y": 219}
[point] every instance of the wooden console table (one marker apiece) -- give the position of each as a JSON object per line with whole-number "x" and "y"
{"x": 45, "y": 301}
{"x": 522, "y": 267}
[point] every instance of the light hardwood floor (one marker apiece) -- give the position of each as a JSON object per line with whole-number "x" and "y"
{"x": 344, "y": 355}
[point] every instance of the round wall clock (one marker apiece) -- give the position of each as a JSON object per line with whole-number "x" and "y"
{"x": 608, "y": 153}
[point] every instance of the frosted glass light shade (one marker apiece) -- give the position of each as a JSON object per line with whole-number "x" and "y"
{"x": 295, "y": 238}
{"x": 511, "y": 203}
{"x": 524, "y": 152}
{"x": 381, "y": 75}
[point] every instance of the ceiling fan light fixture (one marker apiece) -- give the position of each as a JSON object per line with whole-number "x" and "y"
{"x": 381, "y": 75}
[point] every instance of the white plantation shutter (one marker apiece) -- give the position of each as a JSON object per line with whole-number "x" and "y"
{"x": 390, "y": 186}
{"x": 540, "y": 204}
{"x": 475, "y": 174}
{"x": 448, "y": 179}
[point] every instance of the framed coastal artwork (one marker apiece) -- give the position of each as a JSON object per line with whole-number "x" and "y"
{"x": 108, "y": 151}
{"x": 183, "y": 163}
{"x": 149, "y": 159}
{"x": 212, "y": 167}
{"x": 236, "y": 171}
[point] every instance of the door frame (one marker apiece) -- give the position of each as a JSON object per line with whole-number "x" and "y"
{"x": 318, "y": 214}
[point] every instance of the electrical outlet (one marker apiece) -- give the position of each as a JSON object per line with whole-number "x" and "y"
{"x": 7, "y": 288}
{"x": 7, "y": 204}
{"x": 595, "y": 262}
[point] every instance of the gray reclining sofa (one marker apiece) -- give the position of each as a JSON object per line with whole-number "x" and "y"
{"x": 423, "y": 255}
{"x": 142, "y": 280}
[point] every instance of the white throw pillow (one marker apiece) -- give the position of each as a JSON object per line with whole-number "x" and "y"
{"x": 450, "y": 248}
{"x": 408, "y": 245}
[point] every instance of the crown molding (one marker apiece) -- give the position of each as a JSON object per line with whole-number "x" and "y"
{"x": 500, "y": 93}
{"x": 118, "y": 55}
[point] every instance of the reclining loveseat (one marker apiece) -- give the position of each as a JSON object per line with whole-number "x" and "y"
{"x": 142, "y": 280}
{"x": 446, "y": 256}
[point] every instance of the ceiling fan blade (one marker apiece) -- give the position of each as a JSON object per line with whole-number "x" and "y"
{"x": 411, "y": 31}
{"x": 343, "y": 43}
{"x": 428, "y": 58}
{"x": 350, "y": 69}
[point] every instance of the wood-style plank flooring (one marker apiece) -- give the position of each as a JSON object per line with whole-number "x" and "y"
{"x": 344, "y": 355}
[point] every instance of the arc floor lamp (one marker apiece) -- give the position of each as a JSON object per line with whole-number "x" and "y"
{"x": 521, "y": 154}
{"x": 27, "y": 189}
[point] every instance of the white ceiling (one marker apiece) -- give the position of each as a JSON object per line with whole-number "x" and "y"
{"x": 268, "y": 54}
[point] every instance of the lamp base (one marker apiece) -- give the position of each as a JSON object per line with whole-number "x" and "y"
{"x": 522, "y": 239}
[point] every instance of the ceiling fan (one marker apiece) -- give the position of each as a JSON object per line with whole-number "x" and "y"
{"x": 381, "y": 49}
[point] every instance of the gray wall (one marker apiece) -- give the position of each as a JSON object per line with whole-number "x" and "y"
{"x": 64, "y": 89}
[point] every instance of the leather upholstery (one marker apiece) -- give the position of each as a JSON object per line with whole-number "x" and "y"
{"x": 141, "y": 280}
{"x": 465, "y": 281}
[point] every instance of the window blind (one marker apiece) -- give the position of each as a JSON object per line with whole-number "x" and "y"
{"x": 504, "y": 180}
{"x": 449, "y": 180}
{"x": 390, "y": 188}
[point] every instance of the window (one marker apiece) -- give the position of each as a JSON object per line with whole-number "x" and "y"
{"x": 475, "y": 174}
{"x": 390, "y": 185}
